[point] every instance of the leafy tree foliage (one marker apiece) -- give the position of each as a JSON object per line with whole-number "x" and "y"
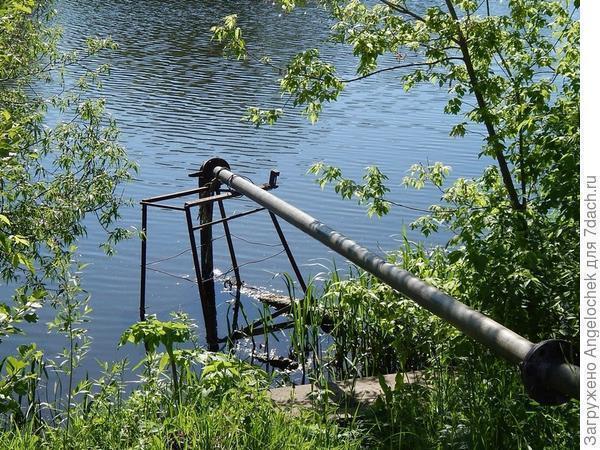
{"x": 513, "y": 72}
{"x": 60, "y": 162}
{"x": 51, "y": 177}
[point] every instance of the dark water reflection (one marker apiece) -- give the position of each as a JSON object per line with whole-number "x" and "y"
{"x": 178, "y": 102}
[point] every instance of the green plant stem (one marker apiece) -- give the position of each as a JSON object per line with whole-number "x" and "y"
{"x": 176, "y": 391}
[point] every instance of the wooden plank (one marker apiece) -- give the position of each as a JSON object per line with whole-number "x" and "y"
{"x": 270, "y": 298}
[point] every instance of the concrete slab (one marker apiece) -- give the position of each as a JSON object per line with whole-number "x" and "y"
{"x": 348, "y": 395}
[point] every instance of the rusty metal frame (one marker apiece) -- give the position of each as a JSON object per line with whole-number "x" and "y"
{"x": 209, "y": 192}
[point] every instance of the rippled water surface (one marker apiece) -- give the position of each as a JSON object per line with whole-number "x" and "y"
{"x": 178, "y": 102}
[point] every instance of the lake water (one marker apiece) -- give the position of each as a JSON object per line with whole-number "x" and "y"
{"x": 178, "y": 103}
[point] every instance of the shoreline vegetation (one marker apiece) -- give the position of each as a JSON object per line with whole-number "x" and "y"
{"x": 512, "y": 254}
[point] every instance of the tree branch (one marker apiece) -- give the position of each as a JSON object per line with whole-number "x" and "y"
{"x": 402, "y": 66}
{"x": 493, "y": 136}
{"x": 403, "y": 10}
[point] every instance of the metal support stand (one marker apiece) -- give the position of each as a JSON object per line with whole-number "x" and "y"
{"x": 209, "y": 192}
{"x": 550, "y": 369}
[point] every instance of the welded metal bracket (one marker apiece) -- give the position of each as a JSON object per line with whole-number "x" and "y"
{"x": 273, "y": 178}
{"x": 537, "y": 366}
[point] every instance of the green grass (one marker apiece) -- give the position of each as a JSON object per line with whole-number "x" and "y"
{"x": 476, "y": 403}
{"x": 241, "y": 418}
{"x": 470, "y": 398}
{"x": 468, "y": 401}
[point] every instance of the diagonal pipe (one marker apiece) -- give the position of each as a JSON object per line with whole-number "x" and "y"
{"x": 559, "y": 378}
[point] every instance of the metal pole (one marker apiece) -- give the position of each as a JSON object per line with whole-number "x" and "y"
{"x": 207, "y": 285}
{"x": 143, "y": 263}
{"x": 208, "y": 312}
{"x": 288, "y": 251}
{"x": 234, "y": 264}
{"x": 229, "y": 218}
{"x": 490, "y": 333}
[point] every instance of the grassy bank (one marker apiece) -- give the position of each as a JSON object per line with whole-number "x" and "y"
{"x": 225, "y": 407}
{"x": 513, "y": 257}
{"x": 223, "y": 403}
{"x": 354, "y": 326}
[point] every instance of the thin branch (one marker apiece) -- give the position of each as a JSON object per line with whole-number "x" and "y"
{"x": 403, "y": 10}
{"x": 522, "y": 164}
{"x": 402, "y": 66}
{"x": 262, "y": 61}
{"x": 48, "y": 67}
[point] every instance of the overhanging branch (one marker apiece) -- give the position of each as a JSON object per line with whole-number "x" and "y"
{"x": 403, "y": 66}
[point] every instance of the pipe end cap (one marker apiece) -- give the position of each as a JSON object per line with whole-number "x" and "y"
{"x": 537, "y": 365}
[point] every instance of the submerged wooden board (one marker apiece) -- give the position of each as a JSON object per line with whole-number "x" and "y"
{"x": 268, "y": 297}
{"x": 348, "y": 395}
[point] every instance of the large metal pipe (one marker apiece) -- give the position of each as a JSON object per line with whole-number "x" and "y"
{"x": 490, "y": 333}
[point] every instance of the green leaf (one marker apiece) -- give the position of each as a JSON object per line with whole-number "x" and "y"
{"x": 164, "y": 360}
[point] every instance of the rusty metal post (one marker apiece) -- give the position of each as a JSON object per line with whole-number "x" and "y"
{"x": 208, "y": 312}
{"x": 207, "y": 283}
